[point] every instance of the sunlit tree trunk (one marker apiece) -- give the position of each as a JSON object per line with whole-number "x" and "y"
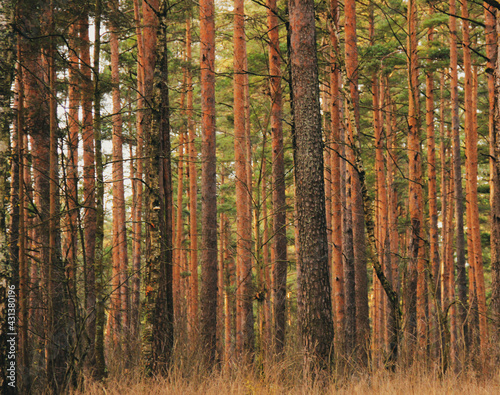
{"x": 335, "y": 177}
{"x": 495, "y": 207}
{"x": 476, "y": 274}
{"x": 279, "y": 245}
{"x": 135, "y": 300}
{"x": 416, "y": 302}
{"x": 208, "y": 181}
{"x": 244, "y": 332}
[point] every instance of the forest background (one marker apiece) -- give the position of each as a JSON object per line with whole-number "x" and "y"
{"x": 221, "y": 184}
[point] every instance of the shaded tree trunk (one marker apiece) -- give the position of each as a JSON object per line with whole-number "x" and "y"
{"x": 314, "y": 291}
{"x": 193, "y": 197}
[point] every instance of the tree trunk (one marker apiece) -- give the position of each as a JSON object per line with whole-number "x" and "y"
{"x": 193, "y": 198}
{"x": 120, "y": 258}
{"x": 476, "y": 275}
{"x": 279, "y": 245}
{"x": 357, "y": 212}
{"x": 244, "y": 334}
{"x": 457, "y": 177}
{"x": 495, "y": 209}
{"x": 89, "y": 182}
{"x": 434, "y": 301}
{"x": 159, "y": 256}
{"x": 335, "y": 176}
{"x": 135, "y": 301}
{"x": 208, "y": 328}
{"x": 314, "y": 291}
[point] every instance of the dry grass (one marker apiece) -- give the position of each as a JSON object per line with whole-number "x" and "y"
{"x": 281, "y": 379}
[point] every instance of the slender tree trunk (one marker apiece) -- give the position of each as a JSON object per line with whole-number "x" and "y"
{"x": 335, "y": 176}
{"x": 176, "y": 269}
{"x": 193, "y": 197}
{"x": 57, "y": 344}
{"x": 461, "y": 306}
{"x": 495, "y": 192}
{"x": 244, "y": 334}
{"x": 416, "y": 302}
{"x": 314, "y": 291}
{"x": 358, "y": 218}
{"x": 72, "y": 170}
{"x": 208, "y": 181}
{"x": 434, "y": 263}
{"x": 476, "y": 274}
{"x": 120, "y": 259}
{"x": 89, "y": 182}
{"x": 100, "y": 363}
{"x": 135, "y": 302}
{"x": 279, "y": 245}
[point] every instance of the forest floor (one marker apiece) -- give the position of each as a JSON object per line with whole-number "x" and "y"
{"x": 241, "y": 382}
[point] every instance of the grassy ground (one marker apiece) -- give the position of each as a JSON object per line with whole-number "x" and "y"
{"x": 282, "y": 380}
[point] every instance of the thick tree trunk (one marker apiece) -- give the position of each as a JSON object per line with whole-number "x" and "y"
{"x": 208, "y": 181}
{"x": 159, "y": 257}
{"x": 314, "y": 291}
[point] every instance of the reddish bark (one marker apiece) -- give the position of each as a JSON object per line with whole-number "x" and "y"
{"x": 120, "y": 255}
{"x": 335, "y": 176}
{"x": 208, "y": 180}
{"x": 244, "y": 313}
{"x": 358, "y": 218}
{"x": 457, "y": 180}
{"x": 279, "y": 245}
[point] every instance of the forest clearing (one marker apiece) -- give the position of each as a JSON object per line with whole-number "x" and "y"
{"x": 246, "y": 196}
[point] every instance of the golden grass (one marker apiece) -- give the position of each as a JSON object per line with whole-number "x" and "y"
{"x": 281, "y": 379}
